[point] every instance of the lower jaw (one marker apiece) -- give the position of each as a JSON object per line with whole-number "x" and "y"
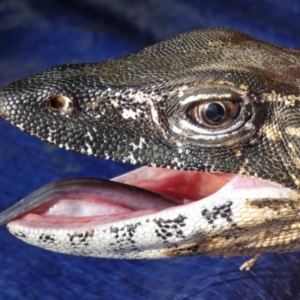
{"x": 232, "y": 216}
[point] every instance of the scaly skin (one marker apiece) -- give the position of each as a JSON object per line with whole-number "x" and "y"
{"x": 141, "y": 109}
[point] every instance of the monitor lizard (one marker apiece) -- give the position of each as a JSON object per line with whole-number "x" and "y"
{"x": 209, "y": 101}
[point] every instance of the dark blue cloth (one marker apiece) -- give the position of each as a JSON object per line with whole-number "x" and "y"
{"x": 35, "y": 35}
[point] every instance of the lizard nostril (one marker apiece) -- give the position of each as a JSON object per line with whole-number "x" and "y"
{"x": 61, "y": 105}
{"x": 58, "y": 102}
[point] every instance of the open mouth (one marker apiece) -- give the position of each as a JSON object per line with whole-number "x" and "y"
{"x": 155, "y": 213}
{"x": 85, "y": 203}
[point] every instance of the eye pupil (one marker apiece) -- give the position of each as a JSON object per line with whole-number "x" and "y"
{"x": 215, "y": 112}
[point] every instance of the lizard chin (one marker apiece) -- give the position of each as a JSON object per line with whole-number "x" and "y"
{"x": 84, "y": 203}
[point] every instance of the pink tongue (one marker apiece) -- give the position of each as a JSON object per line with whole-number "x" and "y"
{"x": 176, "y": 184}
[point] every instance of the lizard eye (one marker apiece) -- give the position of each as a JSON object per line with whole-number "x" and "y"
{"x": 214, "y": 114}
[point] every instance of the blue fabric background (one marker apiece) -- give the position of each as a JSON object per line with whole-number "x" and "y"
{"x": 35, "y": 35}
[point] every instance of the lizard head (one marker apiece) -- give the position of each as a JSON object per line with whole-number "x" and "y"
{"x": 209, "y": 100}
{"x": 212, "y": 100}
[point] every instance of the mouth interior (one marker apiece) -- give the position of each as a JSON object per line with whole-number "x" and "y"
{"x": 124, "y": 197}
{"x": 175, "y": 187}
{"x": 182, "y": 186}
{"x": 128, "y": 196}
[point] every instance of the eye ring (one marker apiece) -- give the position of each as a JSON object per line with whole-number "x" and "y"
{"x": 214, "y": 113}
